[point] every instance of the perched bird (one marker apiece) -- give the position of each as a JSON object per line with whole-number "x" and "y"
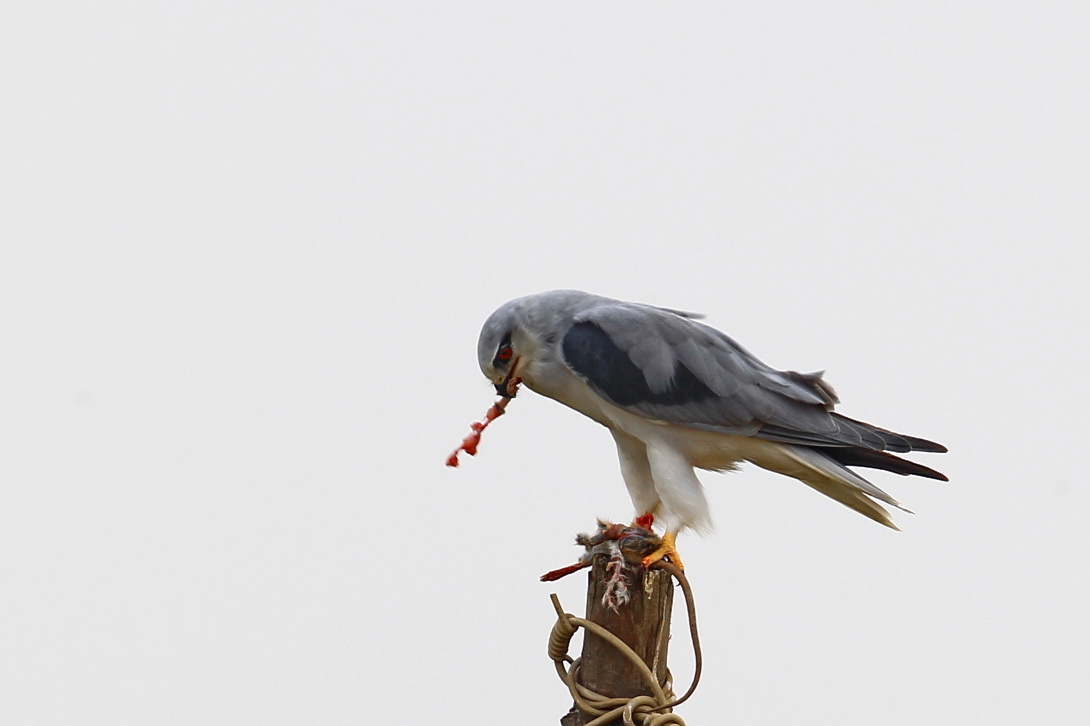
{"x": 678, "y": 394}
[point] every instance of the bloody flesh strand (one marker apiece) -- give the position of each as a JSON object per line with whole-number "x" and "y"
{"x": 555, "y": 575}
{"x": 470, "y": 442}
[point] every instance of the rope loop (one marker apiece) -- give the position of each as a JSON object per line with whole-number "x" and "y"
{"x": 653, "y": 710}
{"x": 560, "y": 638}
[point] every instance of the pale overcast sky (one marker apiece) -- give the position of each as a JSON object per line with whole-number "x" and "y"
{"x": 247, "y": 250}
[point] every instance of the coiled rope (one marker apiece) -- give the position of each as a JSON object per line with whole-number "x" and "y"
{"x": 637, "y": 710}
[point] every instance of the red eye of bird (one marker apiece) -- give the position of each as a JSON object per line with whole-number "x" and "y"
{"x": 505, "y": 353}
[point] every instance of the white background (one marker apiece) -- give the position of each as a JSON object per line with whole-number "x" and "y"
{"x": 248, "y": 246}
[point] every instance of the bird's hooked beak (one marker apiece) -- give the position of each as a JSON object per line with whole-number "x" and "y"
{"x": 508, "y": 387}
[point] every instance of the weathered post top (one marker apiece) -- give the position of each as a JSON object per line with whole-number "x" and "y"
{"x": 642, "y": 623}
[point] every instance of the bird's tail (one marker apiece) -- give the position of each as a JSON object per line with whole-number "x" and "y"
{"x": 832, "y": 479}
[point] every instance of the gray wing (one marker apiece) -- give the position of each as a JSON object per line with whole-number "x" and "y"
{"x": 662, "y": 366}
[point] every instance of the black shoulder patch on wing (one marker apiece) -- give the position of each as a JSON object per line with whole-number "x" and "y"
{"x": 593, "y": 355}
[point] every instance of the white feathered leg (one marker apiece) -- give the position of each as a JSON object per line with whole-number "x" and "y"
{"x": 682, "y": 496}
{"x": 636, "y": 472}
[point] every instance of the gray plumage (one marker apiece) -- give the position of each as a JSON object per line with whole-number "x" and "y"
{"x": 678, "y": 394}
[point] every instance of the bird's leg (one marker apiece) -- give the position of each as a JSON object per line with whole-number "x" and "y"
{"x": 668, "y": 548}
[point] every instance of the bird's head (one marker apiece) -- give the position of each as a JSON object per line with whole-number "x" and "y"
{"x": 517, "y": 339}
{"x": 502, "y": 347}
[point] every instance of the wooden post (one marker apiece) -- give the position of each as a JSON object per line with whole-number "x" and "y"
{"x": 643, "y": 623}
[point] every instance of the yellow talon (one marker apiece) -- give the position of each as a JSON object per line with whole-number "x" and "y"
{"x": 668, "y": 548}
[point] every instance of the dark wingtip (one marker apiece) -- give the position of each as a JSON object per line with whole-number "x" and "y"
{"x": 862, "y": 456}
{"x": 925, "y": 445}
{"x": 876, "y": 437}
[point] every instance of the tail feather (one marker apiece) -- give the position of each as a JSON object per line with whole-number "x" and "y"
{"x": 824, "y": 467}
{"x": 852, "y": 499}
{"x": 829, "y": 477}
{"x": 845, "y": 486}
